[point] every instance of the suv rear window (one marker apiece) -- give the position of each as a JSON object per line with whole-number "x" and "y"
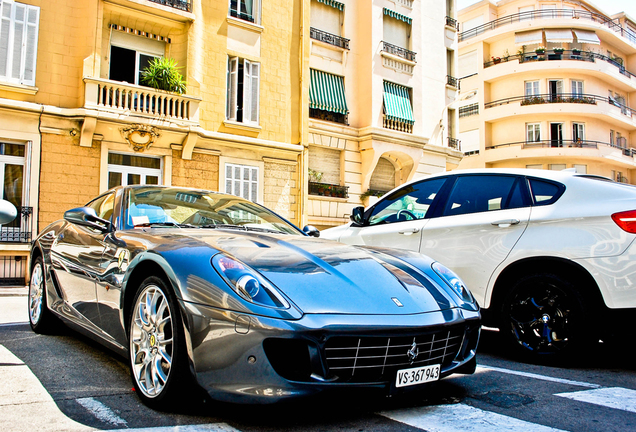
{"x": 544, "y": 192}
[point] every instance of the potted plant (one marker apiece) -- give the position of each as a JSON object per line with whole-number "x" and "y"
{"x": 559, "y": 50}
{"x": 540, "y": 50}
{"x": 576, "y": 51}
{"x": 496, "y": 60}
{"x": 163, "y": 74}
{"x": 314, "y": 176}
{"x": 506, "y": 55}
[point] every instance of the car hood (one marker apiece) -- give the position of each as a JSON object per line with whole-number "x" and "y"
{"x": 322, "y": 276}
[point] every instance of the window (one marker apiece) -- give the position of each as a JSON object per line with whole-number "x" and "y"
{"x": 556, "y": 134}
{"x": 526, "y": 13}
{"x": 327, "y": 16}
{"x": 127, "y": 169}
{"x": 327, "y": 99}
{"x": 555, "y": 87}
{"x": 12, "y": 172}
{"x": 242, "y": 180}
{"x": 577, "y": 88}
{"x": 103, "y": 206}
{"x": 612, "y": 135}
{"x": 383, "y": 177}
{"x": 544, "y": 192}
{"x": 18, "y": 42}
{"x": 247, "y": 10}
{"x": 326, "y": 161}
{"x": 534, "y": 166}
{"x": 130, "y": 54}
{"x": 532, "y": 88}
{"x": 580, "y": 169}
{"x": 533, "y": 132}
{"x": 480, "y": 193}
{"x": 397, "y": 29}
{"x": 556, "y": 167}
{"x": 578, "y": 132}
{"x": 409, "y": 203}
{"x": 243, "y": 83}
{"x": 467, "y": 64}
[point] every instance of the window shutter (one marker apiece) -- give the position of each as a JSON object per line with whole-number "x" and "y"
{"x": 255, "y": 92}
{"x": 5, "y": 28}
{"x": 232, "y": 86}
{"x": 326, "y": 161}
{"x": 18, "y": 40}
{"x": 33, "y": 17}
{"x": 383, "y": 177}
{"x": 247, "y": 91}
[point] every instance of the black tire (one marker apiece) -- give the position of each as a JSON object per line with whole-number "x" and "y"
{"x": 41, "y": 318}
{"x": 158, "y": 358}
{"x": 542, "y": 318}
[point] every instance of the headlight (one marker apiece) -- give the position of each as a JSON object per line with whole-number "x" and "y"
{"x": 453, "y": 281}
{"x": 248, "y": 283}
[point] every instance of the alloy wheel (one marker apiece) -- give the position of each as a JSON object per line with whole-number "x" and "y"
{"x": 36, "y": 293}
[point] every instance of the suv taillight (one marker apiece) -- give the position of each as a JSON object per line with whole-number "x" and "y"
{"x": 626, "y": 220}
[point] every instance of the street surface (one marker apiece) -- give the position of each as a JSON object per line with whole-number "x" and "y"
{"x": 68, "y": 383}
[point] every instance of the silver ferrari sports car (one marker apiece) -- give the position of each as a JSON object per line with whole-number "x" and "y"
{"x": 199, "y": 288}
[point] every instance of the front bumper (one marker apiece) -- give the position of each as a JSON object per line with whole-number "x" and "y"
{"x": 247, "y": 358}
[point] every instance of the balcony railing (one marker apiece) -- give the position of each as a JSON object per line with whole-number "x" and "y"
{"x": 398, "y": 51}
{"x": 452, "y": 22}
{"x": 184, "y": 5}
{"x": 550, "y": 14}
{"x": 577, "y": 55}
{"x": 579, "y": 98}
{"x": 328, "y": 190}
{"x": 328, "y": 38}
{"x": 563, "y": 143}
{"x": 123, "y": 98}
{"x": 397, "y": 125}
{"x": 13, "y": 270}
{"x": 452, "y": 81}
{"x": 469, "y": 110}
{"x": 454, "y": 143}
{"x": 20, "y": 229}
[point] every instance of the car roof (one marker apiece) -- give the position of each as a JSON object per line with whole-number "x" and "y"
{"x": 562, "y": 176}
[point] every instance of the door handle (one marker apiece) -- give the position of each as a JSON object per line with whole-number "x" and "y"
{"x": 506, "y": 223}
{"x": 409, "y": 231}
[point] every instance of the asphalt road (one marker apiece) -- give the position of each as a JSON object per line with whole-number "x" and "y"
{"x": 67, "y": 382}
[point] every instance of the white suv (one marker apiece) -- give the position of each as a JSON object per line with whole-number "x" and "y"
{"x": 548, "y": 255}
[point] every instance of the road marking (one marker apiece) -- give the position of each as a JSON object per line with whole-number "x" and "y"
{"x": 611, "y": 397}
{"x": 211, "y": 427}
{"x": 101, "y": 411}
{"x": 460, "y": 417}
{"x": 539, "y": 377}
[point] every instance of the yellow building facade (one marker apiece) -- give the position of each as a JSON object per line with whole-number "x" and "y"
{"x": 75, "y": 119}
{"x": 549, "y": 84}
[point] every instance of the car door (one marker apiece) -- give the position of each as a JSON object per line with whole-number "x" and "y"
{"x": 477, "y": 226}
{"x": 76, "y": 257}
{"x": 397, "y": 220}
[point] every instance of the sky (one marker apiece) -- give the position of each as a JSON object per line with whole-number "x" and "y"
{"x": 610, "y": 7}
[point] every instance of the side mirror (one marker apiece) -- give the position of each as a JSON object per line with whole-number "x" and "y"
{"x": 311, "y": 231}
{"x": 357, "y": 215}
{"x": 86, "y": 216}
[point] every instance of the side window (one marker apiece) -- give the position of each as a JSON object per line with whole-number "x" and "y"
{"x": 104, "y": 206}
{"x": 409, "y": 203}
{"x": 474, "y": 194}
{"x": 543, "y": 192}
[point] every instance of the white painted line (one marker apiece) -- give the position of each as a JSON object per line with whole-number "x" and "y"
{"x": 459, "y": 418}
{"x": 539, "y": 377}
{"x": 210, "y": 427}
{"x": 611, "y": 397}
{"x": 101, "y": 411}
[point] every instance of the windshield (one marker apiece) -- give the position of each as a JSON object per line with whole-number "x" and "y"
{"x": 154, "y": 206}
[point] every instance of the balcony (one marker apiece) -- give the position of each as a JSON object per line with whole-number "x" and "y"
{"x": 452, "y": 22}
{"x": 556, "y": 54}
{"x": 550, "y": 14}
{"x": 129, "y": 99}
{"x": 574, "y": 144}
{"x": 20, "y": 230}
{"x": 454, "y": 143}
{"x": 328, "y": 190}
{"x": 469, "y": 110}
{"x": 184, "y": 5}
{"x": 577, "y": 98}
{"x": 398, "y": 51}
{"x": 328, "y": 38}
{"x": 397, "y": 125}
{"x": 452, "y": 81}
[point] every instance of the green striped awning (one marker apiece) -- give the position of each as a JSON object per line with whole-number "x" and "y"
{"x": 333, "y": 3}
{"x": 397, "y": 103}
{"x": 326, "y": 92}
{"x": 397, "y": 16}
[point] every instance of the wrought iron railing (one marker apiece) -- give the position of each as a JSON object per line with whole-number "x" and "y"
{"x": 550, "y": 14}
{"x": 184, "y": 5}
{"x": 452, "y": 22}
{"x": 563, "y": 143}
{"x": 556, "y": 54}
{"x": 549, "y": 98}
{"x": 328, "y": 38}
{"x": 452, "y": 81}
{"x": 13, "y": 270}
{"x": 454, "y": 143}
{"x": 398, "y": 51}
{"x": 124, "y": 98}
{"x": 20, "y": 230}
{"x": 328, "y": 190}
{"x": 469, "y": 110}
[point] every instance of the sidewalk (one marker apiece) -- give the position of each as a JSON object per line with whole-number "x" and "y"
{"x": 13, "y": 305}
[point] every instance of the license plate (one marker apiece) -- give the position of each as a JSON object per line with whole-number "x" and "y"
{"x": 418, "y": 375}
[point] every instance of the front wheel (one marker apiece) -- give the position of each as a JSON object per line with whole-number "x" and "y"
{"x": 157, "y": 349}
{"x": 41, "y": 318}
{"x": 542, "y": 317}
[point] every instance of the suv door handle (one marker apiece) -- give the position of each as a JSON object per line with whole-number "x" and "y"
{"x": 409, "y": 231}
{"x": 506, "y": 223}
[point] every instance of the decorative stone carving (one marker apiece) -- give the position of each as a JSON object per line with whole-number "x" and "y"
{"x": 140, "y": 137}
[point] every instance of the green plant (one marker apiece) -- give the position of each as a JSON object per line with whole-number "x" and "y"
{"x": 506, "y": 54}
{"x": 314, "y": 176}
{"x": 540, "y": 49}
{"x": 558, "y": 50}
{"x": 371, "y": 192}
{"x": 162, "y": 74}
{"x": 521, "y": 51}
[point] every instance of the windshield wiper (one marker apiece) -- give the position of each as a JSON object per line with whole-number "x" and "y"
{"x": 166, "y": 224}
{"x": 239, "y": 227}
